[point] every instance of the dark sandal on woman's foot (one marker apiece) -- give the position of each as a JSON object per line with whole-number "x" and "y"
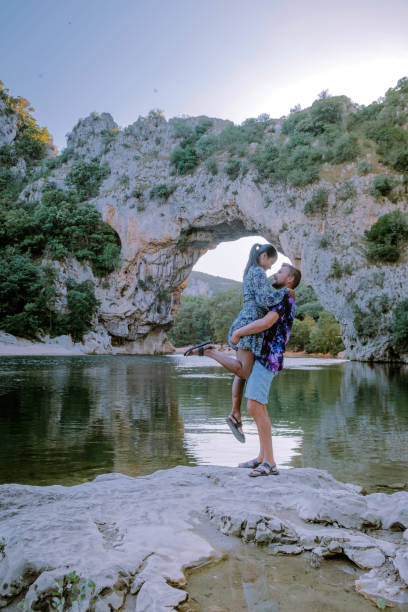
{"x": 233, "y": 424}
{"x": 200, "y": 348}
{"x": 264, "y": 469}
{"x": 251, "y": 464}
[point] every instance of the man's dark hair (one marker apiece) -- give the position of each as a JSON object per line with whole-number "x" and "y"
{"x": 295, "y": 273}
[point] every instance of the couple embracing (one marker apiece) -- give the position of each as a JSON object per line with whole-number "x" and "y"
{"x": 259, "y": 336}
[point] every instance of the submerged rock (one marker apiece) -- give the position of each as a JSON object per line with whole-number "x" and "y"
{"x": 120, "y": 541}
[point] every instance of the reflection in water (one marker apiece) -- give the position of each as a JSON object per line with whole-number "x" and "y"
{"x": 361, "y": 435}
{"x": 67, "y": 419}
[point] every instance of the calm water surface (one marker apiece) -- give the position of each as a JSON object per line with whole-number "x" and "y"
{"x": 66, "y": 419}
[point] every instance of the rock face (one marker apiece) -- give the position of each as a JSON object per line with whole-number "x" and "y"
{"x": 8, "y": 125}
{"x": 163, "y": 237}
{"x": 112, "y": 542}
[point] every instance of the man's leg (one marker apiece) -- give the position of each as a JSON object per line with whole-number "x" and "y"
{"x": 257, "y": 393}
{"x": 260, "y": 415}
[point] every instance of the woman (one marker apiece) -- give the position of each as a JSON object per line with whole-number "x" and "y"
{"x": 258, "y": 300}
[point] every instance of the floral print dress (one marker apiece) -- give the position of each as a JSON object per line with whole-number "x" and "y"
{"x": 259, "y": 298}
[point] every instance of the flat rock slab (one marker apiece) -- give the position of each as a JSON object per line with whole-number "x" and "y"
{"x": 120, "y": 541}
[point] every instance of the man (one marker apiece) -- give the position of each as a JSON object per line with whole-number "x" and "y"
{"x": 278, "y": 323}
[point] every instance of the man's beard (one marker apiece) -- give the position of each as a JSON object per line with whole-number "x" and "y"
{"x": 277, "y": 285}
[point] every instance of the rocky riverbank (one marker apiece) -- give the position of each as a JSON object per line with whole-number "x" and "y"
{"x": 94, "y": 343}
{"x": 124, "y": 543}
{"x": 100, "y": 344}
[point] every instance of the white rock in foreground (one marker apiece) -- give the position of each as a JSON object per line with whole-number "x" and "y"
{"x": 125, "y": 541}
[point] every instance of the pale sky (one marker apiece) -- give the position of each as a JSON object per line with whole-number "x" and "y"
{"x": 231, "y": 59}
{"x": 230, "y": 258}
{"x": 223, "y": 58}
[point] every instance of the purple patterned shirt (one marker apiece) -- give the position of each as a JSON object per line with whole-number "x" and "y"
{"x": 277, "y": 337}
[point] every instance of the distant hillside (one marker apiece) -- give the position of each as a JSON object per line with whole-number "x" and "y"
{"x": 200, "y": 283}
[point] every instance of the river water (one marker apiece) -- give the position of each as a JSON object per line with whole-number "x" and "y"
{"x": 67, "y": 419}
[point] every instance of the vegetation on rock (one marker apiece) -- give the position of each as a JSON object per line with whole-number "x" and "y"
{"x": 58, "y": 224}
{"x": 399, "y": 327}
{"x": 28, "y": 300}
{"x": 386, "y": 237}
{"x": 162, "y": 191}
{"x": 31, "y": 141}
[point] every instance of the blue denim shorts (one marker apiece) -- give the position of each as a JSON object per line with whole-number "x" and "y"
{"x": 259, "y": 383}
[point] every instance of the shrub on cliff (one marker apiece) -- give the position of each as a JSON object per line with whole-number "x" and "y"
{"x": 368, "y": 321}
{"x": 11, "y": 184}
{"x": 325, "y": 111}
{"x": 232, "y": 169}
{"x": 318, "y": 202}
{"x": 185, "y": 159}
{"x": 345, "y": 149}
{"x": 346, "y": 191}
{"x": 162, "y": 191}
{"x": 399, "y": 327}
{"x": 31, "y": 141}
{"x": 87, "y": 177}
{"x": 267, "y": 162}
{"x": 59, "y": 226}
{"x": 382, "y": 185}
{"x": 386, "y": 237}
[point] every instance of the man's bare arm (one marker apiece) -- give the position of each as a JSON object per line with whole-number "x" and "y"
{"x": 257, "y": 326}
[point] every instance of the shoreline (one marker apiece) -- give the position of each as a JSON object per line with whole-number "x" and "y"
{"x": 12, "y": 346}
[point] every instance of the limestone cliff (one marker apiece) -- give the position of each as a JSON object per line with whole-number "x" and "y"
{"x": 163, "y": 232}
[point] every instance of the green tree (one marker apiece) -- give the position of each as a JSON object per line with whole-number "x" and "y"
{"x": 399, "y": 327}
{"x": 224, "y": 307}
{"x": 87, "y": 177}
{"x": 192, "y": 321}
{"x": 386, "y": 237}
{"x": 300, "y": 334}
{"x": 325, "y": 336}
{"x": 82, "y": 306}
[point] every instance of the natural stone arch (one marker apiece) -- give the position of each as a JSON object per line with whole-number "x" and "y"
{"x": 162, "y": 238}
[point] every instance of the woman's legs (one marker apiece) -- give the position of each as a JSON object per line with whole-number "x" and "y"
{"x": 240, "y": 366}
{"x": 238, "y": 385}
